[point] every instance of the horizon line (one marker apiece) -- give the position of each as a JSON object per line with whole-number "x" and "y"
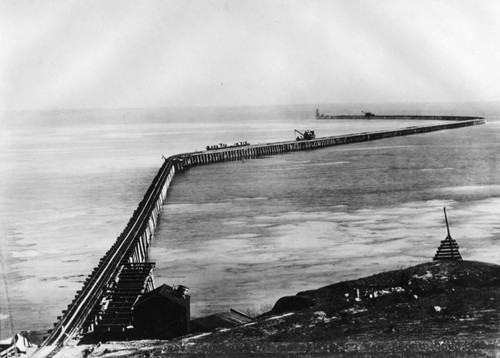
{"x": 83, "y": 108}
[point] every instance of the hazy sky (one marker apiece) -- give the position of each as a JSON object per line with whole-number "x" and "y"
{"x": 72, "y": 54}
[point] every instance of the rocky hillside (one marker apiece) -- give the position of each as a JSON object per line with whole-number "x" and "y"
{"x": 434, "y": 309}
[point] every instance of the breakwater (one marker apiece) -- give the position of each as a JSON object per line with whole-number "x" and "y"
{"x": 88, "y": 311}
{"x": 398, "y": 117}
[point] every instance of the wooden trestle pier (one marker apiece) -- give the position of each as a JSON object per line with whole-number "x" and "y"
{"x": 187, "y": 160}
{"x": 122, "y": 274}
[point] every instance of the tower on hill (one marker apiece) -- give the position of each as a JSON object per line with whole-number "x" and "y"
{"x": 448, "y": 250}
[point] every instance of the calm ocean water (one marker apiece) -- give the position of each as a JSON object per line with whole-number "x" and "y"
{"x": 239, "y": 234}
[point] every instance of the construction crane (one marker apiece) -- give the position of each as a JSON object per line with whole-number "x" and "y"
{"x": 307, "y": 135}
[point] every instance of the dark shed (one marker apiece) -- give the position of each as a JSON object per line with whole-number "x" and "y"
{"x": 163, "y": 313}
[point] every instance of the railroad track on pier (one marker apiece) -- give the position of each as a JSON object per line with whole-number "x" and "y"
{"x": 93, "y": 290}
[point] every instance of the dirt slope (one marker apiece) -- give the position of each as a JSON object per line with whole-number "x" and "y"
{"x": 433, "y": 309}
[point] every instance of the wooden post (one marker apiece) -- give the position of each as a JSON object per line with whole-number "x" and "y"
{"x": 446, "y": 220}
{"x": 448, "y": 230}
